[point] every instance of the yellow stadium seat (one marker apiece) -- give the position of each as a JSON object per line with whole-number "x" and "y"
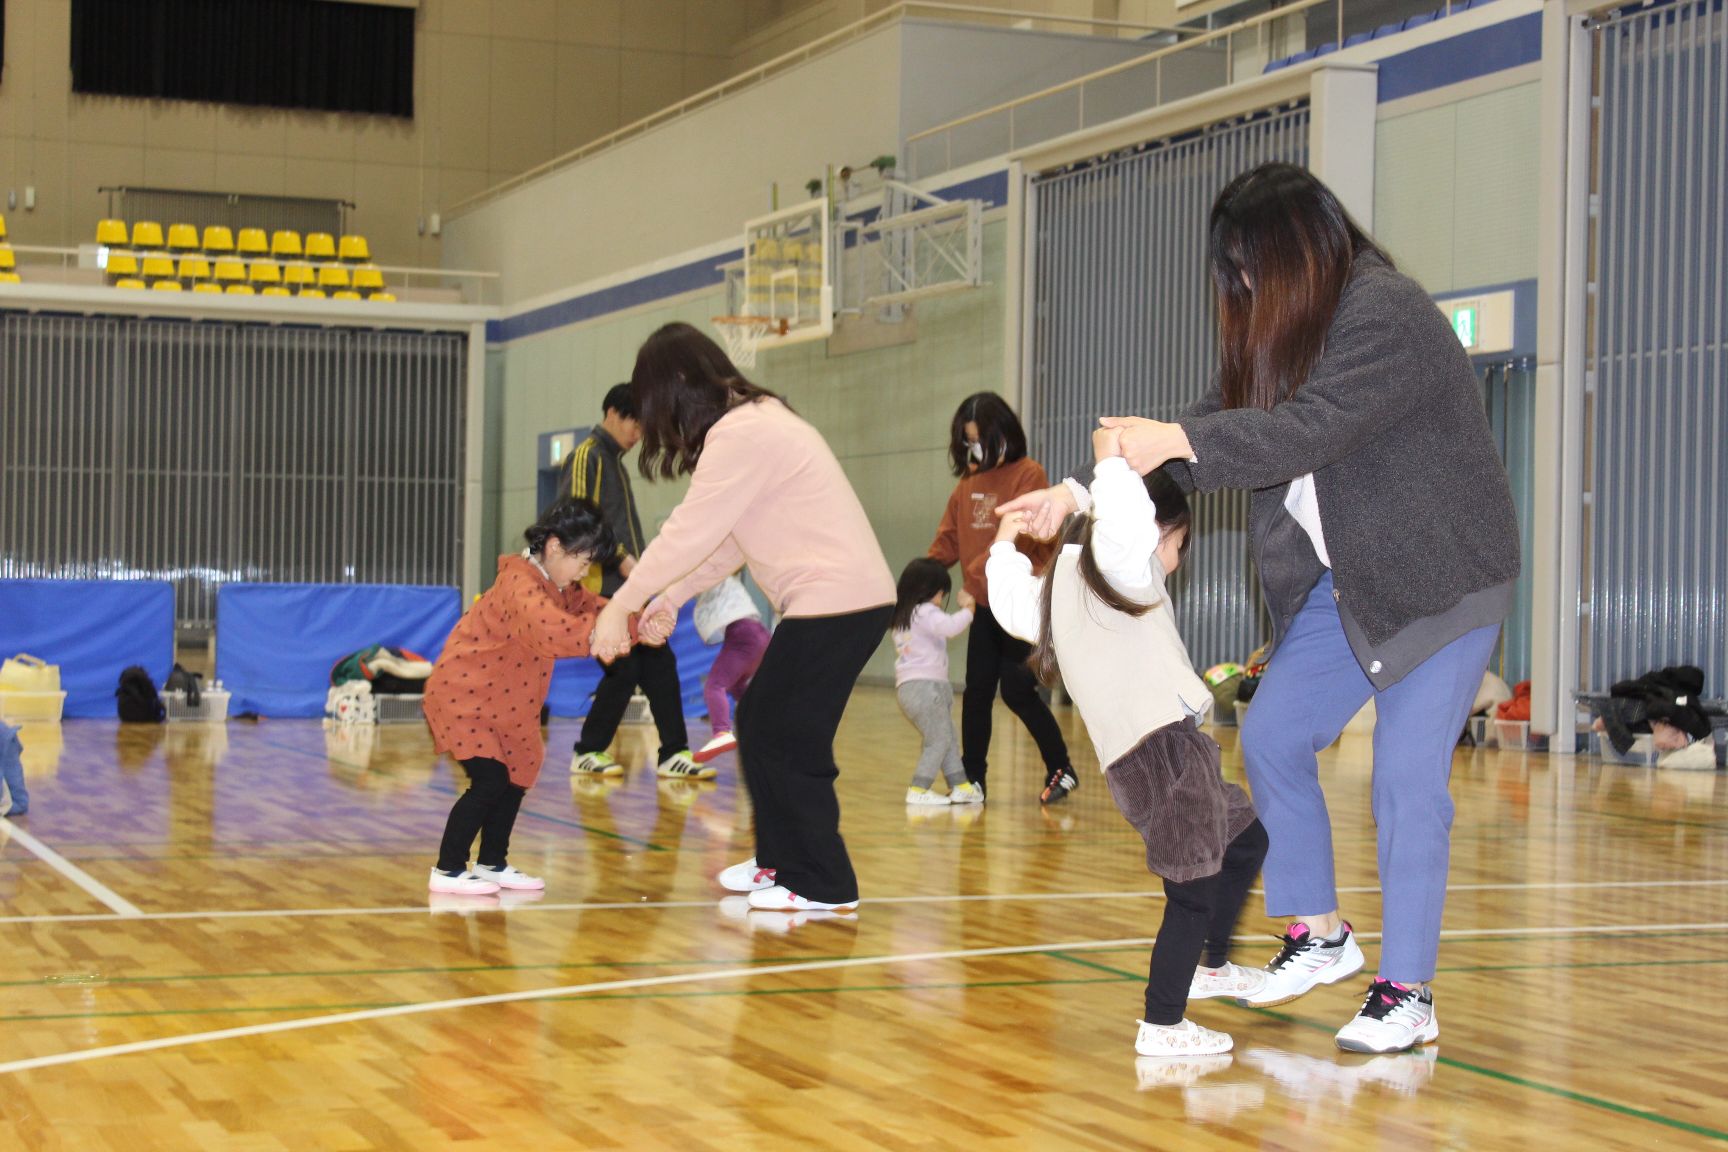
{"x": 354, "y": 249}
{"x": 2, "y": 227}
{"x": 332, "y": 276}
{"x": 266, "y": 272}
{"x": 206, "y": 286}
{"x": 230, "y": 270}
{"x": 367, "y": 276}
{"x": 382, "y": 298}
{"x": 311, "y": 293}
{"x": 10, "y": 278}
{"x": 194, "y": 268}
{"x": 129, "y": 283}
{"x": 284, "y": 243}
{"x": 122, "y": 264}
{"x": 167, "y": 286}
{"x": 146, "y": 234}
{"x": 111, "y": 233}
{"x": 240, "y": 290}
{"x": 320, "y": 246}
{"x": 345, "y": 294}
{"x": 299, "y": 274}
{"x": 8, "y": 258}
{"x": 182, "y": 237}
{"x": 218, "y": 238}
{"x": 275, "y": 290}
{"x": 158, "y": 267}
{"x": 251, "y": 242}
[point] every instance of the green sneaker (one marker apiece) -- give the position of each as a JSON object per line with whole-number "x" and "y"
{"x": 594, "y": 764}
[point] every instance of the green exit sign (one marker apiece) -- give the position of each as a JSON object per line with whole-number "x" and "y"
{"x": 1464, "y": 324}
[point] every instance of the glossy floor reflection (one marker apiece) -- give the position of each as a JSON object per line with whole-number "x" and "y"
{"x": 224, "y": 935}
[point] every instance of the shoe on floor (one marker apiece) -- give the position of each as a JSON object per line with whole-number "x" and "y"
{"x": 1184, "y": 1039}
{"x": 1058, "y": 784}
{"x": 925, "y": 796}
{"x": 1305, "y": 961}
{"x": 746, "y": 877}
{"x": 1228, "y": 980}
{"x": 594, "y": 764}
{"x": 509, "y": 877}
{"x": 780, "y": 898}
{"x": 722, "y": 743}
{"x": 683, "y": 766}
{"x": 461, "y": 884}
{"x": 967, "y": 793}
{"x": 1394, "y": 1018}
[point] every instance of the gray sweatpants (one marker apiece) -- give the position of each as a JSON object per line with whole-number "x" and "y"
{"x": 929, "y": 704}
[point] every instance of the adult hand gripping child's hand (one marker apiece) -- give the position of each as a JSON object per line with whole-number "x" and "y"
{"x": 1011, "y": 525}
{"x": 659, "y": 619}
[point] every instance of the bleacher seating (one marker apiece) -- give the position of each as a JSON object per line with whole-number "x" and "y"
{"x": 250, "y": 262}
{"x": 1384, "y": 30}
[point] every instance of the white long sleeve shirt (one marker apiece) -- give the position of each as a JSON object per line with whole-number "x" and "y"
{"x": 1128, "y": 675}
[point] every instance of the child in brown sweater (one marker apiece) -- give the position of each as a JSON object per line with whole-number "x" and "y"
{"x": 484, "y": 697}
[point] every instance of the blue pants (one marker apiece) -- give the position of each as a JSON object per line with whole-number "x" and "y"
{"x": 1311, "y": 689}
{"x": 12, "y": 768}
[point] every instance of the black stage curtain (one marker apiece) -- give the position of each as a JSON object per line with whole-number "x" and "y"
{"x": 276, "y": 53}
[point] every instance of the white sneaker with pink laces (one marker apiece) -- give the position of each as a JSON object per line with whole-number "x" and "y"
{"x": 1184, "y": 1039}
{"x": 746, "y": 877}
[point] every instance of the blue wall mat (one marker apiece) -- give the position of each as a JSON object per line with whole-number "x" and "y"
{"x": 93, "y": 629}
{"x": 574, "y": 681}
{"x": 275, "y": 643}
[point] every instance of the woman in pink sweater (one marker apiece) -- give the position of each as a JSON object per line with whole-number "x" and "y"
{"x": 765, "y": 490}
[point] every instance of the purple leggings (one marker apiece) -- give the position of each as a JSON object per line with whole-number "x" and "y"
{"x": 740, "y": 655}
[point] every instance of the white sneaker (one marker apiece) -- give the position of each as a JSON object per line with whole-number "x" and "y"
{"x": 722, "y": 743}
{"x": 1303, "y": 962}
{"x": 1394, "y": 1018}
{"x": 1184, "y": 1039}
{"x": 926, "y": 796}
{"x": 683, "y": 766}
{"x": 466, "y": 884}
{"x": 967, "y": 793}
{"x": 594, "y": 764}
{"x": 1227, "y": 980}
{"x": 746, "y": 877}
{"x": 780, "y": 898}
{"x": 509, "y": 877}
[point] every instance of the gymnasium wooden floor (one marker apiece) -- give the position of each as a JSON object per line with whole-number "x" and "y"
{"x": 220, "y": 938}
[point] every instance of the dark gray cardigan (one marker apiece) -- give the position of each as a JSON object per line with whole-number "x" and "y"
{"x": 1414, "y": 501}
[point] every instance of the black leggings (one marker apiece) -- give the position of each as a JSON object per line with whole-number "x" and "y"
{"x": 655, "y": 668}
{"x": 1200, "y": 917}
{"x": 488, "y": 810}
{"x": 993, "y": 657}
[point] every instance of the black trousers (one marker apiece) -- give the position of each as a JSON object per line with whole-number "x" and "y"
{"x": 488, "y": 810}
{"x": 1199, "y": 918}
{"x": 995, "y": 658}
{"x": 785, "y": 725}
{"x": 656, "y": 670}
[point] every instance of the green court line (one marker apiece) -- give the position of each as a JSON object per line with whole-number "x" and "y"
{"x": 1477, "y": 1069}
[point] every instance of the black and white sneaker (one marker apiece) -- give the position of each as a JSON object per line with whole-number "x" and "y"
{"x": 1394, "y": 1018}
{"x": 1304, "y": 961}
{"x": 1058, "y": 784}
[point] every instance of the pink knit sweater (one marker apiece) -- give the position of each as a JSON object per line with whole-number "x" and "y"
{"x": 768, "y": 492}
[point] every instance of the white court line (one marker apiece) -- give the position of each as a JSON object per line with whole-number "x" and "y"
{"x": 571, "y": 990}
{"x": 624, "y": 905}
{"x": 124, "y": 909}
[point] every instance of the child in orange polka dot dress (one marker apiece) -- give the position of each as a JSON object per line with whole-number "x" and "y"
{"x": 484, "y": 698}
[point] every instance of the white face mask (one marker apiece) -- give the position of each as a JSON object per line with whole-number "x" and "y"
{"x": 975, "y": 452}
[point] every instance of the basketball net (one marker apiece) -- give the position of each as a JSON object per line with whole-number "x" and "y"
{"x": 742, "y": 335}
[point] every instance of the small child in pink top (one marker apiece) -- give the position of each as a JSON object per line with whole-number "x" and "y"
{"x": 921, "y": 632}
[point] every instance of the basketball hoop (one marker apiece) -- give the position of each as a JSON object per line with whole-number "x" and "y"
{"x": 742, "y": 335}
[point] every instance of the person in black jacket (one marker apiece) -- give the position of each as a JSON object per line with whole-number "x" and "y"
{"x": 1386, "y": 542}
{"x": 595, "y": 471}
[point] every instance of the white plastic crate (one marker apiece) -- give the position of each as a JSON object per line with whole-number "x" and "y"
{"x": 1642, "y": 753}
{"x": 1483, "y": 733}
{"x": 1241, "y": 712}
{"x": 394, "y": 709}
{"x": 37, "y": 707}
{"x": 1512, "y": 735}
{"x": 638, "y": 711}
{"x": 212, "y": 706}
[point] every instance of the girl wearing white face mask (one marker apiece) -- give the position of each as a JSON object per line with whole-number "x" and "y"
{"x": 987, "y": 447}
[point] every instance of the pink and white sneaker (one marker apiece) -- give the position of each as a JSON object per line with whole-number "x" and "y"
{"x": 463, "y": 884}
{"x": 722, "y": 743}
{"x": 509, "y": 877}
{"x": 746, "y": 877}
{"x": 780, "y": 898}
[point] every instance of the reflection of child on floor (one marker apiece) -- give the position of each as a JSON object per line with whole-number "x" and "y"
{"x": 726, "y": 615}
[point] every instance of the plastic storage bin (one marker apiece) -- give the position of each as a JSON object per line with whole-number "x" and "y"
{"x": 1642, "y": 753}
{"x": 212, "y": 706}
{"x": 1512, "y": 735}
{"x": 1483, "y": 732}
{"x": 31, "y": 707}
{"x": 394, "y": 709}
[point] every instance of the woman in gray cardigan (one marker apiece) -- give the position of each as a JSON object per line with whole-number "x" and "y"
{"x": 1386, "y": 544}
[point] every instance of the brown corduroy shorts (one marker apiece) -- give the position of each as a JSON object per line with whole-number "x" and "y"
{"x": 1170, "y": 788}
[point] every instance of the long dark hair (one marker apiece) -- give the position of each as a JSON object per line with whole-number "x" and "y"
{"x": 1173, "y": 514}
{"x": 683, "y": 382}
{"x": 577, "y": 524}
{"x": 999, "y": 433}
{"x": 1287, "y": 233}
{"x": 920, "y": 580}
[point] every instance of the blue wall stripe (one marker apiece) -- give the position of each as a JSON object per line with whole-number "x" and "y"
{"x": 992, "y": 188}
{"x": 1463, "y": 57}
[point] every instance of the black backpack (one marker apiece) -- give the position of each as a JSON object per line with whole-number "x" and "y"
{"x": 180, "y": 680}
{"x": 137, "y": 699}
